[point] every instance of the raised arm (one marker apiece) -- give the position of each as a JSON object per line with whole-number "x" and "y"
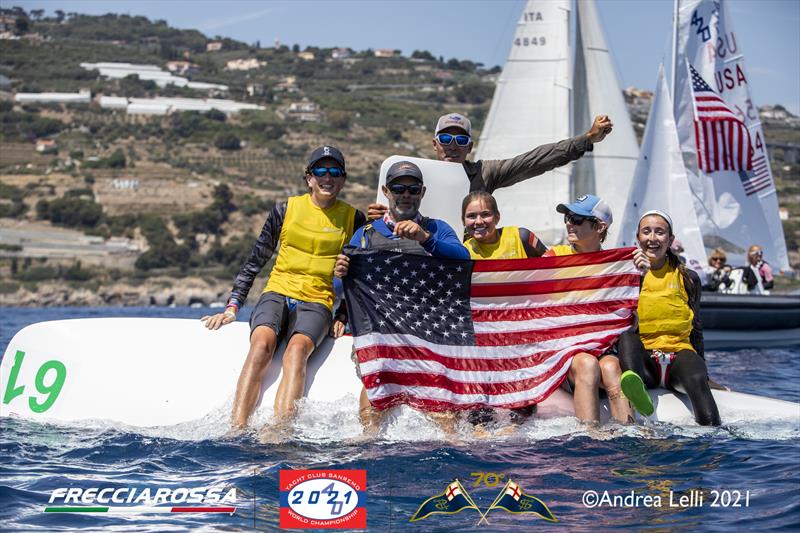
{"x": 506, "y": 172}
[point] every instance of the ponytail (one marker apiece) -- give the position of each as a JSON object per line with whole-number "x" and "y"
{"x": 688, "y": 283}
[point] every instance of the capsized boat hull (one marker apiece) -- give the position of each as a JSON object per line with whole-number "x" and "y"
{"x": 146, "y": 372}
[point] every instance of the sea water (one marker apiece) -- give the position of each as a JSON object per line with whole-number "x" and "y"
{"x": 743, "y": 475}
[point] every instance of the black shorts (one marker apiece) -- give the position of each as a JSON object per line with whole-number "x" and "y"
{"x": 287, "y": 316}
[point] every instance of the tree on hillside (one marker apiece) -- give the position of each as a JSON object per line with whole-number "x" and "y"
{"x": 422, "y": 54}
{"x": 227, "y": 141}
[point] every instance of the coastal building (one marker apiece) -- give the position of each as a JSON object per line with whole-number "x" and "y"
{"x": 152, "y": 73}
{"x": 46, "y": 146}
{"x": 244, "y": 64}
{"x": 214, "y": 46}
{"x": 340, "y": 53}
{"x": 306, "y": 56}
{"x": 83, "y": 96}
{"x": 386, "y": 52}
{"x": 182, "y": 67}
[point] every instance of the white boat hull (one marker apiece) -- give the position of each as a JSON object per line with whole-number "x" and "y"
{"x": 148, "y": 372}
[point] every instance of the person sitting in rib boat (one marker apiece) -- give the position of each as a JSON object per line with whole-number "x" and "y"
{"x": 718, "y": 272}
{"x": 757, "y": 274}
{"x": 297, "y": 301}
{"x": 667, "y": 349}
{"x": 587, "y": 220}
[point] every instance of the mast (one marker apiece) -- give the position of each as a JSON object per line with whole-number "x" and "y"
{"x": 674, "y": 50}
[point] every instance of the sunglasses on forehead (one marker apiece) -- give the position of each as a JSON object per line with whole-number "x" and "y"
{"x": 335, "y": 172}
{"x": 399, "y": 188}
{"x": 577, "y": 220}
{"x": 446, "y": 138}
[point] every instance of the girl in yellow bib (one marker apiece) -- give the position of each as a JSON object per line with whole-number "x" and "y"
{"x": 297, "y": 301}
{"x": 667, "y": 351}
{"x": 486, "y": 241}
{"x": 586, "y": 221}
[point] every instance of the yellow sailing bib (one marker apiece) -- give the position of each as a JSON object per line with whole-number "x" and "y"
{"x": 665, "y": 318}
{"x": 561, "y": 249}
{"x": 311, "y": 238}
{"x": 508, "y": 246}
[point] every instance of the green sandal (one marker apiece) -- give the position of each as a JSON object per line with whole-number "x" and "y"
{"x": 634, "y": 390}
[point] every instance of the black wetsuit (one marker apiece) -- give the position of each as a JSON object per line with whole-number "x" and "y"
{"x": 687, "y": 372}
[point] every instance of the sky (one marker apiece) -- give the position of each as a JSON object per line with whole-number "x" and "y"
{"x": 638, "y": 31}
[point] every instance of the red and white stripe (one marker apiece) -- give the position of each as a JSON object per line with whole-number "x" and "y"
{"x": 761, "y": 179}
{"x": 530, "y": 316}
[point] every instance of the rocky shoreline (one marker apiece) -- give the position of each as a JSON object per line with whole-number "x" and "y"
{"x": 155, "y": 291}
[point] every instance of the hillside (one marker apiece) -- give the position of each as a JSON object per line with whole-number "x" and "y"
{"x": 101, "y": 206}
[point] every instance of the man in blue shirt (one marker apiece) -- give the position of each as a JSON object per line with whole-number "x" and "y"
{"x": 401, "y": 229}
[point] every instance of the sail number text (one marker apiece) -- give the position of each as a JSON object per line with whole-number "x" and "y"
{"x": 50, "y": 392}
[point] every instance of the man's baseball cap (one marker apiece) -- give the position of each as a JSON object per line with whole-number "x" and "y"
{"x": 403, "y": 168}
{"x": 326, "y": 151}
{"x": 588, "y": 205}
{"x": 453, "y": 119}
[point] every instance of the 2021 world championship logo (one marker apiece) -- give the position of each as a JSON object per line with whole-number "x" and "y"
{"x": 323, "y": 499}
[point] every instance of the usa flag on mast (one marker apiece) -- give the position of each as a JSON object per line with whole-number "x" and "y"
{"x": 721, "y": 137}
{"x": 441, "y": 334}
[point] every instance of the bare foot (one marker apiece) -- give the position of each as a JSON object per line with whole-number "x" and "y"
{"x": 275, "y": 433}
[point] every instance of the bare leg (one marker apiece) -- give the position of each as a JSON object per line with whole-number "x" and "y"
{"x": 370, "y": 417}
{"x": 585, "y": 373}
{"x": 262, "y": 347}
{"x": 617, "y": 403}
{"x": 293, "y": 379}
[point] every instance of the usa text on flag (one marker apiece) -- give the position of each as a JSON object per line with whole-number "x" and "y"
{"x": 442, "y": 334}
{"x": 722, "y": 138}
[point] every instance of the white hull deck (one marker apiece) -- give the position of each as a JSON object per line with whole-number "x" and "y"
{"x": 147, "y": 372}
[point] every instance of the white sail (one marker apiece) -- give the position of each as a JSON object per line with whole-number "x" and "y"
{"x": 608, "y": 170}
{"x": 660, "y": 181}
{"x": 734, "y": 210}
{"x": 531, "y": 106}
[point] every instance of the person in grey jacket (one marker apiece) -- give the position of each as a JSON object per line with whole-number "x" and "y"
{"x": 453, "y": 142}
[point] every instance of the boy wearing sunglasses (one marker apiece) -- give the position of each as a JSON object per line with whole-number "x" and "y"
{"x": 296, "y": 303}
{"x": 401, "y": 229}
{"x": 453, "y": 142}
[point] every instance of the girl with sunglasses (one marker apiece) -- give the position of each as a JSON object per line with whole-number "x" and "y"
{"x": 308, "y": 231}
{"x": 667, "y": 349}
{"x": 587, "y": 220}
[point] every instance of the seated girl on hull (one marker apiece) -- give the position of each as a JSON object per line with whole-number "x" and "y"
{"x": 296, "y": 303}
{"x": 667, "y": 349}
{"x": 480, "y": 216}
{"x": 587, "y": 220}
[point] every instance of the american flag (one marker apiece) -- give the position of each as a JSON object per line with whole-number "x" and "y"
{"x": 722, "y": 138}
{"x": 759, "y": 179}
{"x": 442, "y": 334}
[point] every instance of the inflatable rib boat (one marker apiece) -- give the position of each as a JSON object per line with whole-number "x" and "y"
{"x": 146, "y": 372}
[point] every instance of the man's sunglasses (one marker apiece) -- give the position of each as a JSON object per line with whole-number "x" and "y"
{"x": 446, "y": 138}
{"x": 757, "y": 253}
{"x": 399, "y": 188}
{"x": 577, "y": 220}
{"x": 335, "y": 172}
